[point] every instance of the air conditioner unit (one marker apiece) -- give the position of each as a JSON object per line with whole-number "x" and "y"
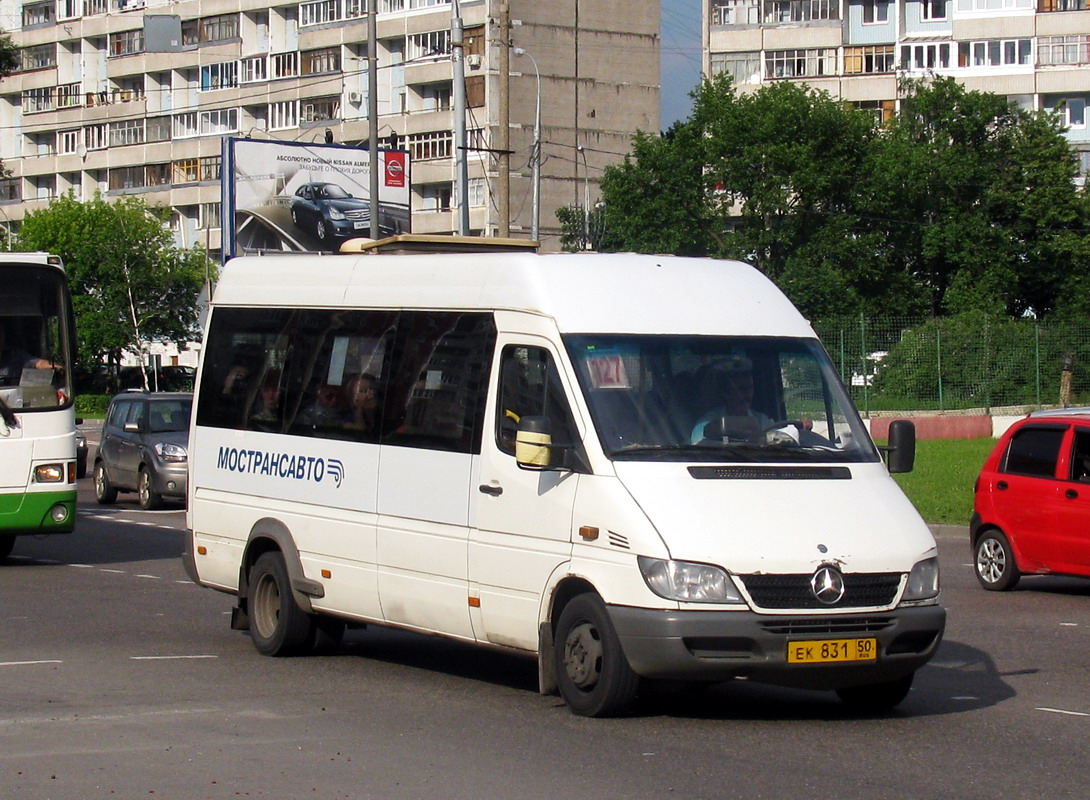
{"x": 473, "y": 60}
{"x": 355, "y": 98}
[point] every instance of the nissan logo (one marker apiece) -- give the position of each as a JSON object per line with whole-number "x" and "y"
{"x": 827, "y": 585}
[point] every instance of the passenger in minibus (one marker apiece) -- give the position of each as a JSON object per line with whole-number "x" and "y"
{"x": 361, "y": 394}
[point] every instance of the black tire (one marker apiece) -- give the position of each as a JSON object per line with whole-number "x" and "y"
{"x": 6, "y": 545}
{"x": 105, "y": 493}
{"x": 993, "y": 561}
{"x": 146, "y": 494}
{"x": 593, "y": 674}
{"x": 81, "y": 467}
{"x": 876, "y": 698}
{"x": 278, "y": 626}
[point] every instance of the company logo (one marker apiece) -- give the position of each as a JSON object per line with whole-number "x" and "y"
{"x": 827, "y": 584}
{"x": 395, "y": 169}
{"x": 281, "y": 465}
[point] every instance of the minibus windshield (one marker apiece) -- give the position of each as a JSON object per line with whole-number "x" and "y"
{"x": 717, "y": 398}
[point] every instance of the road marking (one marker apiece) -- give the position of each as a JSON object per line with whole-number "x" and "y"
{"x": 152, "y": 577}
{"x": 1062, "y": 711}
{"x": 28, "y": 663}
{"x": 166, "y": 658}
{"x": 114, "y": 571}
{"x": 81, "y": 566}
{"x": 1069, "y": 624}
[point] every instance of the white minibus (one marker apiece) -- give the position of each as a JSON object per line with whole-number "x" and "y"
{"x": 630, "y": 467}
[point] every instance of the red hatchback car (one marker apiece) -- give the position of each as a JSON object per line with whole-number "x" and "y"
{"x": 1032, "y": 509}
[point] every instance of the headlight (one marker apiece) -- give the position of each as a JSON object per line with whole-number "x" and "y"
{"x": 688, "y": 582}
{"x": 49, "y": 473}
{"x": 170, "y": 452}
{"x": 336, "y": 213}
{"x": 923, "y": 581}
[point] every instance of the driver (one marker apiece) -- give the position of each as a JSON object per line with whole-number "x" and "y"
{"x": 730, "y": 385}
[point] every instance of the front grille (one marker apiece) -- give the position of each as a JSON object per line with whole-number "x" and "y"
{"x": 826, "y": 625}
{"x": 357, "y": 213}
{"x": 793, "y": 591}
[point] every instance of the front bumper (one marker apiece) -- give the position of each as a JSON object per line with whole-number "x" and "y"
{"x": 722, "y": 645}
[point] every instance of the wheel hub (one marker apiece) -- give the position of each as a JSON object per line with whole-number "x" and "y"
{"x": 583, "y": 656}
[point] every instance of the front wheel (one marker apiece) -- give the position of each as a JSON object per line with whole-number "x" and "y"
{"x": 105, "y": 493}
{"x": 876, "y": 698}
{"x": 278, "y": 626}
{"x": 994, "y": 562}
{"x": 149, "y": 498}
{"x": 593, "y": 674}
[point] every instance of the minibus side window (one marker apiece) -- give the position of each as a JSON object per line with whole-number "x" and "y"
{"x": 530, "y": 386}
{"x": 436, "y": 394}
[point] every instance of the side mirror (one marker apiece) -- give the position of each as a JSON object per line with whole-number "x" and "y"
{"x": 901, "y": 450}
{"x": 533, "y": 443}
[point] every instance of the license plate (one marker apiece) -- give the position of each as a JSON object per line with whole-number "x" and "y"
{"x": 358, "y": 225}
{"x": 827, "y": 651}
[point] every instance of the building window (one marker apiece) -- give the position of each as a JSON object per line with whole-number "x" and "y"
{"x": 436, "y": 96}
{"x": 185, "y": 125}
{"x": 255, "y": 69}
{"x": 218, "y": 121}
{"x": 157, "y": 174}
{"x": 127, "y": 43}
{"x": 868, "y": 60}
{"x": 426, "y": 146}
{"x": 210, "y": 168}
{"x": 96, "y": 137}
{"x": 68, "y": 141}
{"x": 208, "y": 216}
{"x": 285, "y": 65}
{"x": 283, "y": 115}
{"x": 932, "y": 10}
{"x": 38, "y": 14}
{"x": 1062, "y": 5}
{"x": 219, "y": 76}
{"x": 210, "y": 29}
{"x": 157, "y": 129}
{"x": 34, "y": 100}
{"x": 736, "y": 12}
{"x": 881, "y": 109}
{"x": 129, "y": 131}
{"x": 875, "y": 12}
{"x": 69, "y": 96}
{"x": 40, "y": 56}
{"x": 186, "y": 170}
{"x": 69, "y": 9}
{"x": 800, "y": 63}
{"x": 779, "y": 11}
{"x": 1074, "y": 49}
{"x": 314, "y": 62}
{"x": 126, "y": 178}
{"x": 319, "y": 109}
{"x": 9, "y": 189}
{"x": 925, "y": 56}
{"x": 319, "y": 13}
{"x": 1071, "y": 111}
{"x": 742, "y": 67}
{"x": 995, "y": 53}
{"x": 435, "y": 197}
{"x": 477, "y": 192}
{"x": 427, "y": 45}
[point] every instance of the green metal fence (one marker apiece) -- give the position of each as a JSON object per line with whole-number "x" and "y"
{"x": 963, "y": 362}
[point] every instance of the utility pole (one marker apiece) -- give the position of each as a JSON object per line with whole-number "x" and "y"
{"x": 372, "y": 111}
{"x": 461, "y": 154}
{"x": 503, "y": 145}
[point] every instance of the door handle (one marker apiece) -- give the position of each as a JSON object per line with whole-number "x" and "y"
{"x": 495, "y": 491}
{"x": 1001, "y": 486}
{"x": 1071, "y": 494}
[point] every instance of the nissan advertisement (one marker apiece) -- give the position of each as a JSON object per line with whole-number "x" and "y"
{"x": 294, "y": 197}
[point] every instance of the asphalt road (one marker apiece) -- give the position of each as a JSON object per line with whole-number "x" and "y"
{"x": 120, "y": 679}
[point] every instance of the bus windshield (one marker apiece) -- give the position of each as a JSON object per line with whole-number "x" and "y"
{"x": 711, "y": 398}
{"x": 35, "y": 338}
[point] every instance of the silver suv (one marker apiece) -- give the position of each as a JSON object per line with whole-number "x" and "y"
{"x": 143, "y": 448}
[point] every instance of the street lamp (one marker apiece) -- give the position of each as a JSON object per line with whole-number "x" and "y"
{"x": 535, "y": 158}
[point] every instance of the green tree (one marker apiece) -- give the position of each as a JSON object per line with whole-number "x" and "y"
{"x": 130, "y": 284}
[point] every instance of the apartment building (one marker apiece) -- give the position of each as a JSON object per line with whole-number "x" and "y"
{"x": 1037, "y": 52}
{"x": 135, "y": 96}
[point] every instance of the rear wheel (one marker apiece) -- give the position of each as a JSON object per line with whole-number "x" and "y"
{"x": 594, "y": 676}
{"x": 105, "y": 493}
{"x": 876, "y": 698}
{"x": 149, "y": 498}
{"x": 994, "y": 562}
{"x": 278, "y": 626}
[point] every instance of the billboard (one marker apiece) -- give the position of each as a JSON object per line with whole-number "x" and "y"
{"x": 305, "y": 197}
